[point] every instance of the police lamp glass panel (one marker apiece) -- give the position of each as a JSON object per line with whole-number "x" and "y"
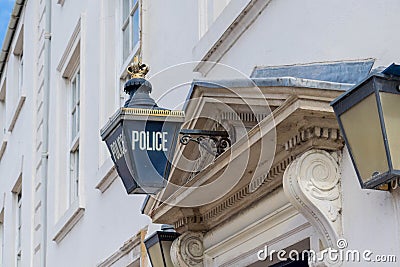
{"x": 159, "y": 248}
{"x": 142, "y": 147}
{"x": 369, "y": 118}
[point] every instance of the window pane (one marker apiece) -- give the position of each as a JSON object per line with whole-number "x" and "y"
{"x": 125, "y": 10}
{"x": 77, "y": 174}
{"x": 134, "y": 2}
{"x": 75, "y": 104}
{"x": 73, "y": 93}
{"x": 78, "y": 117}
{"x": 363, "y": 131}
{"x": 390, "y": 106}
{"x": 78, "y": 86}
{"x": 73, "y": 130}
{"x": 21, "y": 75}
{"x": 71, "y": 177}
{"x": 19, "y": 263}
{"x": 135, "y": 27}
{"x": 1, "y": 242}
{"x": 74, "y": 175}
{"x": 19, "y": 223}
{"x": 125, "y": 36}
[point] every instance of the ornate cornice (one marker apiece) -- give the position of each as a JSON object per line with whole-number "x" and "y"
{"x": 235, "y": 199}
{"x": 241, "y": 116}
{"x": 302, "y": 122}
{"x": 187, "y": 220}
{"x": 270, "y": 179}
{"x": 304, "y": 135}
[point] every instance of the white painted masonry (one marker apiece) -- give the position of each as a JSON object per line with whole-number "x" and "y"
{"x": 104, "y": 226}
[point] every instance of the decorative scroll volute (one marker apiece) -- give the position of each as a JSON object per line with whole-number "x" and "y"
{"x": 312, "y": 184}
{"x": 187, "y": 250}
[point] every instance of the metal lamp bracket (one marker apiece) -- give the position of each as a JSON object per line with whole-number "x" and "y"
{"x": 219, "y": 139}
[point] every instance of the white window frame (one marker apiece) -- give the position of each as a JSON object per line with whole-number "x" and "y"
{"x": 209, "y": 11}
{"x": 1, "y": 237}
{"x": 17, "y": 96}
{"x": 2, "y": 110}
{"x": 74, "y": 129}
{"x": 68, "y": 214}
{"x": 20, "y": 74}
{"x": 127, "y": 23}
{"x": 18, "y": 227}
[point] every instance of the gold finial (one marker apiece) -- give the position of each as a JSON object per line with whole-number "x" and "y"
{"x": 137, "y": 69}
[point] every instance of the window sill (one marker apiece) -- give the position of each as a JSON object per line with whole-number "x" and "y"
{"x": 3, "y": 145}
{"x": 68, "y": 221}
{"x": 128, "y": 252}
{"x": 75, "y": 143}
{"x": 16, "y": 113}
{"x": 108, "y": 173}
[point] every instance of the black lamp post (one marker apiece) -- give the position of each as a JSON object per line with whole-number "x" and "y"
{"x": 158, "y": 246}
{"x": 141, "y": 137}
{"x": 369, "y": 118}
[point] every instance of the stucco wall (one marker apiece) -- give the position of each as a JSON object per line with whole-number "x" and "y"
{"x": 291, "y": 32}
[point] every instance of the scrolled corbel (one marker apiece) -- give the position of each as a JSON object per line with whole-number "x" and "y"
{"x": 187, "y": 250}
{"x": 312, "y": 184}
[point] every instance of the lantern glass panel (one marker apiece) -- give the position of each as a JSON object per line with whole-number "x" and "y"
{"x": 364, "y": 136}
{"x": 391, "y": 110}
{"x": 166, "y": 245}
{"x": 156, "y": 255}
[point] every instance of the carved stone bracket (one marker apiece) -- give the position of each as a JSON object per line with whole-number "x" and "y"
{"x": 187, "y": 250}
{"x": 312, "y": 184}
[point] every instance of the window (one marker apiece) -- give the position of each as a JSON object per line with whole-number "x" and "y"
{"x": 69, "y": 206}
{"x": 130, "y": 27}
{"x": 16, "y": 96}
{"x": 18, "y": 227}
{"x": 209, "y": 11}
{"x": 19, "y": 63}
{"x": 20, "y": 74}
{"x": 3, "y": 109}
{"x": 74, "y": 140}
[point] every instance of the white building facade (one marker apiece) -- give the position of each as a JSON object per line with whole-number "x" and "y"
{"x": 62, "y": 69}
{"x": 70, "y": 58}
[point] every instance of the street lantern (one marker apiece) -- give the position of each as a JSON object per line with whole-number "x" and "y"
{"x": 158, "y": 246}
{"x": 141, "y": 137}
{"x": 369, "y": 118}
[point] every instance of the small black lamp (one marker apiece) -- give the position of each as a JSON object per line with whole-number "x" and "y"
{"x": 369, "y": 118}
{"x": 158, "y": 246}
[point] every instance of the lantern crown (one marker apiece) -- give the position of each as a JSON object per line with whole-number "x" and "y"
{"x": 137, "y": 69}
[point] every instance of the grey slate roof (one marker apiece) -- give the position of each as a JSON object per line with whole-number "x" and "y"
{"x": 336, "y": 71}
{"x": 334, "y": 75}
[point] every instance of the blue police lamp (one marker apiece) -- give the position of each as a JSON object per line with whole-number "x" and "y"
{"x": 141, "y": 137}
